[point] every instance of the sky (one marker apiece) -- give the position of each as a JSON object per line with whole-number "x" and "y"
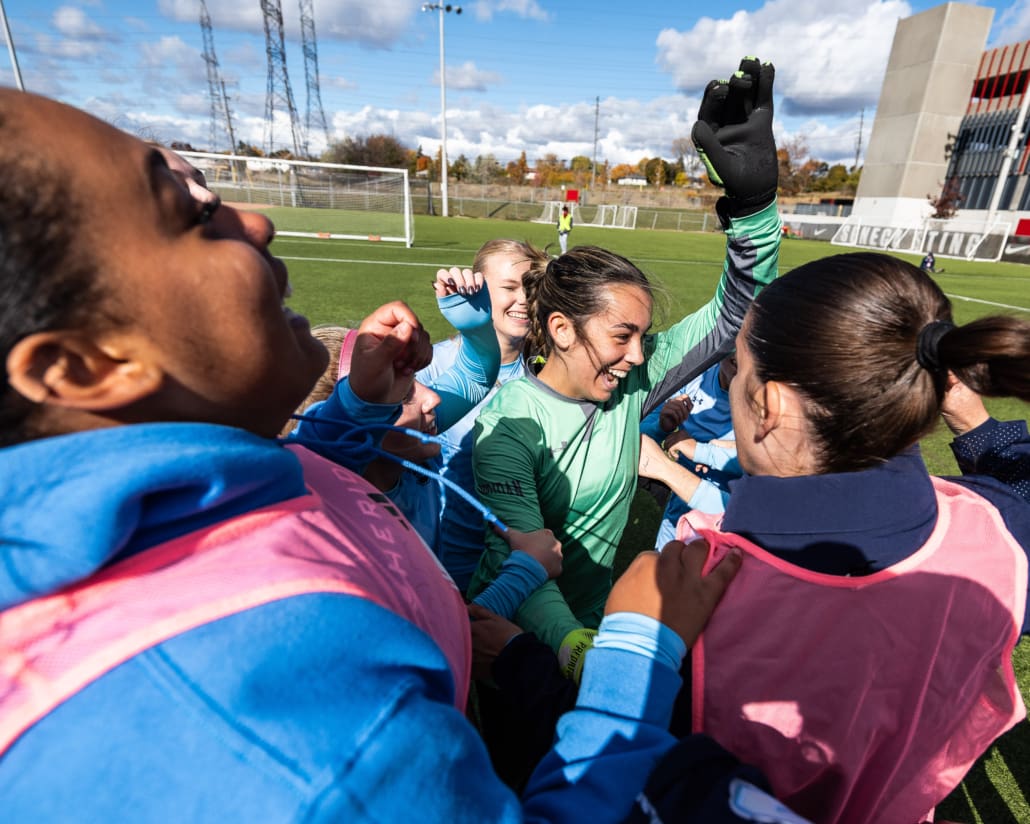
{"x": 618, "y": 81}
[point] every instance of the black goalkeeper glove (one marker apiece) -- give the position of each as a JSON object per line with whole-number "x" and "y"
{"x": 733, "y": 136}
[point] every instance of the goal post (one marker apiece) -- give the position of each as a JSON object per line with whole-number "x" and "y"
{"x": 317, "y": 200}
{"x": 603, "y": 215}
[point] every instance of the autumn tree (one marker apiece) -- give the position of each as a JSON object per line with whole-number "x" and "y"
{"x": 461, "y": 170}
{"x": 792, "y": 153}
{"x": 621, "y": 170}
{"x": 486, "y": 169}
{"x": 248, "y": 150}
{"x": 518, "y": 169}
{"x": 373, "y": 150}
{"x": 688, "y": 161}
{"x": 946, "y": 204}
{"x": 654, "y": 171}
{"x": 550, "y": 170}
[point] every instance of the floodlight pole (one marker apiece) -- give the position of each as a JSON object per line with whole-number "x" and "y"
{"x": 442, "y": 8}
{"x": 10, "y": 48}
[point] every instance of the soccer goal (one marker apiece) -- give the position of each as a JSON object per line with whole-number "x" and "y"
{"x": 552, "y": 209}
{"x": 626, "y": 218}
{"x": 604, "y": 215}
{"x": 318, "y": 200}
{"x": 609, "y": 215}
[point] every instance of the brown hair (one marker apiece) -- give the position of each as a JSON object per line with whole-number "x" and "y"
{"x": 574, "y": 285}
{"x": 844, "y": 331}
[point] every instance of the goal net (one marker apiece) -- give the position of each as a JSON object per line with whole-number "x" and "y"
{"x": 552, "y": 209}
{"x": 626, "y": 218}
{"x": 318, "y": 200}
{"x": 605, "y": 215}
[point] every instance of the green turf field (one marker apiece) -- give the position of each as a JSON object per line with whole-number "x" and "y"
{"x": 342, "y": 281}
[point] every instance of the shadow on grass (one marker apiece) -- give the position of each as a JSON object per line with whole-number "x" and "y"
{"x": 996, "y": 789}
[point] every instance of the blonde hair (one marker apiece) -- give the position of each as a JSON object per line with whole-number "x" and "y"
{"x": 519, "y": 249}
{"x": 332, "y": 337}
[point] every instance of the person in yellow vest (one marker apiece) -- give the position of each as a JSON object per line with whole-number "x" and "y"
{"x": 564, "y": 227}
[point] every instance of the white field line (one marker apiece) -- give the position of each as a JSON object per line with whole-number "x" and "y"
{"x": 989, "y": 303}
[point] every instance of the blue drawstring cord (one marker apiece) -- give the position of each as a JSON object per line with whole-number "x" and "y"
{"x": 360, "y": 447}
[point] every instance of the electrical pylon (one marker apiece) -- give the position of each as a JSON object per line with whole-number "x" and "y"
{"x": 279, "y": 91}
{"x": 215, "y": 84}
{"x": 315, "y": 114}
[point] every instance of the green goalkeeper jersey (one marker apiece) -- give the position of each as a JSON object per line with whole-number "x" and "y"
{"x": 542, "y": 459}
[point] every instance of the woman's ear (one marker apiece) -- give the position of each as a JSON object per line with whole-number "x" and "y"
{"x": 781, "y": 408}
{"x": 67, "y": 368}
{"x": 563, "y": 333}
{"x": 767, "y": 406}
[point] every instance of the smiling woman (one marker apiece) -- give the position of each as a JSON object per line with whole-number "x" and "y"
{"x": 559, "y": 449}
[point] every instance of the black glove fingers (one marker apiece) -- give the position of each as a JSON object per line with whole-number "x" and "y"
{"x": 713, "y": 103}
{"x": 734, "y": 137}
{"x": 712, "y": 152}
{"x": 739, "y": 100}
{"x": 764, "y": 90}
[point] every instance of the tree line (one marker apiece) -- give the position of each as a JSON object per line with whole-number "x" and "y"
{"x": 799, "y": 172}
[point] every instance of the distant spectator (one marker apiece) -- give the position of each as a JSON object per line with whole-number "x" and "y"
{"x": 564, "y": 228}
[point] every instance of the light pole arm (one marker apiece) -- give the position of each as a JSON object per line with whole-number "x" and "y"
{"x": 10, "y": 48}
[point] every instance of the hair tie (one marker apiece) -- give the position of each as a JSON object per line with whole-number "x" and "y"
{"x": 928, "y": 341}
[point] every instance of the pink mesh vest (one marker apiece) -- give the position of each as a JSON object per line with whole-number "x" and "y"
{"x": 343, "y": 537}
{"x": 866, "y": 699}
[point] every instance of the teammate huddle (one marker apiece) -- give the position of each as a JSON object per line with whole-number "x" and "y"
{"x": 210, "y": 622}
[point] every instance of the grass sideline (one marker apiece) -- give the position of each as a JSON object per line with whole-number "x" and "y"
{"x": 342, "y": 281}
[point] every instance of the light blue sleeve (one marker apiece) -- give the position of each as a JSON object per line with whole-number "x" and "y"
{"x": 708, "y": 498}
{"x": 717, "y": 457}
{"x": 478, "y": 360}
{"x": 520, "y": 574}
{"x": 609, "y": 744}
{"x": 336, "y": 417}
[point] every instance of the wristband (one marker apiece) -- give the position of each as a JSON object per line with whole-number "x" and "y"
{"x": 573, "y": 650}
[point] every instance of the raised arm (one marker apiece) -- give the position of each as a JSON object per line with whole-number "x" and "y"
{"x": 734, "y": 138}
{"x": 464, "y": 301}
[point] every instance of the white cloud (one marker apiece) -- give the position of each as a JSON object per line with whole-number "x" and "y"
{"x": 72, "y": 22}
{"x": 239, "y": 15}
{"x": 467, "y": 77}
{"x": 830, "y": 56}
{"x": 68, "y": 49}
{"x": 379, "y": 24}
{"x": 486, "y": 9}
{"x": 1012, "y": 25}
{"x": 77, "y": 37}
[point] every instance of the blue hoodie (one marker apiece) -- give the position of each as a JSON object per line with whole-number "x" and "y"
{"x": 314, "y": 707}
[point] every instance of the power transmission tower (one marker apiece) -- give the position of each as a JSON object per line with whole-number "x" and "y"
{"x": 314, "y": 102}
{"x": 215, "y": 84}
{"x": 279, "y": 90}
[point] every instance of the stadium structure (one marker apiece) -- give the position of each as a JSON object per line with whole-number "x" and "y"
{"x": 951, "y": 113}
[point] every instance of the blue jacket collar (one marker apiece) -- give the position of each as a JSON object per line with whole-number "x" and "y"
{"x": 849, "y": 523}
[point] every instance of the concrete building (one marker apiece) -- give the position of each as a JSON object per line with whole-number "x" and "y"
{"x": 951, "y": 113}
